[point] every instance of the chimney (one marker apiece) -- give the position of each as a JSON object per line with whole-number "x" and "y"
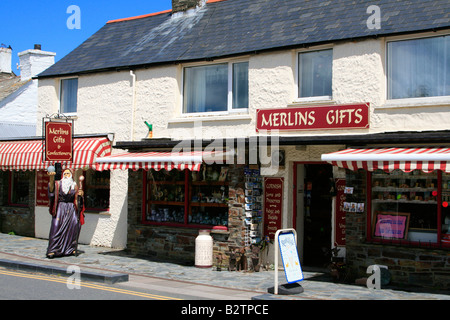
{"x": 34, "y": 61}
{"x": 5, "y": 60}
{"x": 185, "y": 5}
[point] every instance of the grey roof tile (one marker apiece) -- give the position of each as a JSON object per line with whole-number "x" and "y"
{"x": 233, "y": 27}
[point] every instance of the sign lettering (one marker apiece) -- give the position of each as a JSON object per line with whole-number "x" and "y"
{"x": 273, "y": 205}
{"x": 314, "y": 118}
{"x": 58, "y": 141}
{"x": 339, "y": 220}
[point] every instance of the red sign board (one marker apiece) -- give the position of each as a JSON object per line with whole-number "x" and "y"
{"x": 353, "y": 116}
{"x": 273, "y": 205}
{"x": 339, "y": 219}
{"x": 42, "y": 180}
{"x": 58, "y": 141}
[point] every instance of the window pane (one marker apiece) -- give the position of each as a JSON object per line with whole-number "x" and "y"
{"x": 240, "y": 85}
{"x": 97, "y": 190}
{"x": 19, "y": 188}
{"x": 206, "y": 88}
{"x": 445, "y": 208}
{"x": 419, "y": 68}
{"x": 69, "y": 88}
{"x": 399, "y": 194}
{"x": 315, "y": 70}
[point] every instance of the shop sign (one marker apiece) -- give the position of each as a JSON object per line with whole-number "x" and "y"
{"x": 354, "y": 116}
{"x": 273, "y": 205}
{"x": 42, "y": 180}
{"x": 289, "y": 255}
{"x": 339, "y": 219}
{"x": 58, "y": 141}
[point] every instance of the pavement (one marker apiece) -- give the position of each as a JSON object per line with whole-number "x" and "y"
{"x": 114, "y": 266}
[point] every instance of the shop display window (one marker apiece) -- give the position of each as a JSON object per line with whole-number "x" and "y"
{"x": 186, "y": 198}
{"x": 19, "y": 191}
{"x": 445, "y": 213}
{"x": 404, "y": 206}
{"x": 96, "y": 190}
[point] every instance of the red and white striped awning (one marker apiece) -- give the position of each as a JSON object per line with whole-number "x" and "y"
{"x": 389, "y": 159}
{"x": 157, "y": 160}
{"x": 27, "y": 155}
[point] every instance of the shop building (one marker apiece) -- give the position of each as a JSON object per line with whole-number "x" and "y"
{"x": 256, "y": 98}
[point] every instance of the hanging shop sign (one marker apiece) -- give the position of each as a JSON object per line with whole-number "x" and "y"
{"x": 58, "y": 141}
{"x": 273, "y": 205}
{"x": 354, "y": 116}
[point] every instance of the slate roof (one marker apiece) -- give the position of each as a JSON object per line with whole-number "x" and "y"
{"x": 235, "y": 27}
{"x": 9, "y": 83}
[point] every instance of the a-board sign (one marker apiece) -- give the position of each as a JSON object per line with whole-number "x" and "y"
{"x": 289, "y": 256}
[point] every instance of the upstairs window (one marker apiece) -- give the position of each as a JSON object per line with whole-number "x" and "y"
{"x": 69, "y": 90}
{"x": 216, "y": 88}
{"x": 419, "y": 68}
{"x": 315, "y": 73}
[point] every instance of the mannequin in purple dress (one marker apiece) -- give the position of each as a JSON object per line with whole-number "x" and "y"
{"x": 65, "y": 226}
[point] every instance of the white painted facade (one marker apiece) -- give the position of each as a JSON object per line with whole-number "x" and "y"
{"x": 21, "y": 105}
{"x": 120, "y": 102}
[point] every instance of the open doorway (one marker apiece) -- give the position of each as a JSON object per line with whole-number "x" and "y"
{"x": 313, "y": 213}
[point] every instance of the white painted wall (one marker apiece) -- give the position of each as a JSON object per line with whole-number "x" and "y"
{"x": 21, "y": 105}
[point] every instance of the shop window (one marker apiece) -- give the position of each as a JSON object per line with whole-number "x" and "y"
{"x": 445, "y": 203}
{"x": 315, "y": 74}
{"x": 69, "y": 91}
{"x": 19, "y": 188}
{"x": 185, "y": 198}
{"x": 96, "y": 190}
{"x": 418, "y": 68}
{"x": 215, "y": 88}
{"x": 405, "y": 206}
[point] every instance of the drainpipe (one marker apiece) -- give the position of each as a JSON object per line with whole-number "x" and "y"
{"x": 133, "y": 103}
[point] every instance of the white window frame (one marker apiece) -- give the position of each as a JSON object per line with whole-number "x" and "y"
{"x": 69, "y": 114}
{"x": 230, "y": 109}
{"x": 416, "y": 101}
{"x": 297, "y": 75}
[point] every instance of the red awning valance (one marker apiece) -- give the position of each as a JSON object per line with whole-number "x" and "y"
{"x": 158, "y": 160}
{"x": 389, "y": 159}
{"x": 27, "y": 155}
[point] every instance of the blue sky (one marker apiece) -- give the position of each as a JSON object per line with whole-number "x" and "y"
{"x": 28, "y": 22}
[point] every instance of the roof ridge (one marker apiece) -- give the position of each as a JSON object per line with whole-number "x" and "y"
{"x": 152, "y": 14}
{"x": 139, "y": 17}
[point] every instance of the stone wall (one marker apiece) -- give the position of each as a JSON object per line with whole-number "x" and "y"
{"x": 423, "y": 267}
{"x": 177, "y": 244}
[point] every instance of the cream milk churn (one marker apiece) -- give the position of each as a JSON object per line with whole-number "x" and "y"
{"x": 204, "y": 249}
